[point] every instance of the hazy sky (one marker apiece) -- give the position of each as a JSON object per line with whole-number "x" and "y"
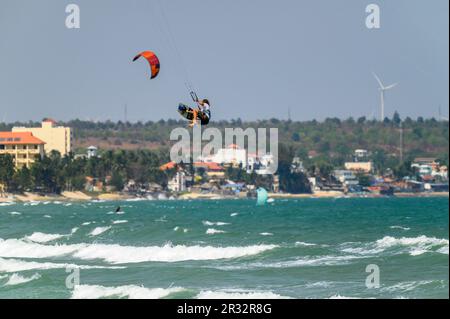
{"x": 253, "y": 59}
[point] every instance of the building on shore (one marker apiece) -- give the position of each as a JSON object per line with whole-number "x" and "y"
{"x": 92, "y": 151}
{"x": 178, "y": 182}
{"x": 361, "y": 155}
{"x": 430, "y": 168}
{"x": 346, "y": 177}
{"x": 56, "y": 138}
{"x": 360, "y": 167}
{"x": 24, "y": 147}
{"x": 231, "y": 155}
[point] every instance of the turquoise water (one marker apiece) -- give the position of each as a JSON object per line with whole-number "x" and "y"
{"x": 305, "y": 248}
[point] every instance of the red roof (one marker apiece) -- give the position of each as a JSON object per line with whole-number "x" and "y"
{"x": 209, "y": 166}
{"x": 168, "y": 166}
{"x": 19, "y": 138}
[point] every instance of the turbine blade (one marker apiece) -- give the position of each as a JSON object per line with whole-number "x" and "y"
{"x": 378, "y": 80}
{"x": 391, "y": 86}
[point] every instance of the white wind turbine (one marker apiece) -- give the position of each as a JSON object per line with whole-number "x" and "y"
{"x": 383, "y": 89}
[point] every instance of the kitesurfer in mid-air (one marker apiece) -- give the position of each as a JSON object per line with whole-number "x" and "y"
{"x": 202, "y": 113}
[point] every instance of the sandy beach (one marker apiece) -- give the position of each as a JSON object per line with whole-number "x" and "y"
{"x": 80, "y": 196}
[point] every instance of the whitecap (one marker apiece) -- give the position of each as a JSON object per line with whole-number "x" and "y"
{"x": 130, "y": 291}
{"x": 212, "y": 231}
{"x": 120, "y": 221}
{"x": 400, "y": 227}
{"x": 406, "y": 286}
{"x": 301, "y": 243}
{"x": 415, "y": 246}
{"x": 117, "y": 254}
{"x": 99, "y": 230}
{"x": 16, "y": 265}
{"x": 7, "y": 204}
{"x": 208, "y": 223}
{"x": 16, "y": 279}
{"x": 38, "y": 237}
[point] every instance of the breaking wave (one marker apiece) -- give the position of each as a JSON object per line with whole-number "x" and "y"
{"x": 117, "y": 254}
{"x": 130, "y": 292}
{"x": 400, "y": 227}
{"x": 212, "y": 231}
{"x": 120, "y": 221}
{"x": 38, "y": 237}
{"x": 99, "y": 230}
{"x": 208, "y": 223}
{"x": 16, "y": 265}
{"x": 16, "y": 279}
{"x": 415, "y": 246}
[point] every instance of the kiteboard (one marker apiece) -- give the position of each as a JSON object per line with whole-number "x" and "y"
{"x": 187, "y": 112}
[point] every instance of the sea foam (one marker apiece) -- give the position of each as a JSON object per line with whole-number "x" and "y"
{"x": 212, "y": 231}
{"x": 130, "y": 291}
{"x": 117, "y": 254}
{"x": 16, "y": 265}
{"x": 16, "y": 279}
{"x": 120, "y": 221}
{"x": 208, "y": 223}
{"x": 418, "y": 245}
{"x": 38, "y": 237}
{"x": 415, "y": 246}
{"x": 99, "y": 230}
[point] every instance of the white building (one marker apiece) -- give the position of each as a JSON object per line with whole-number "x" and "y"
{"x": 346, "y": 177}
{"x": 92, "y": 151}
{"x": 362, "y": 167}
{"x": 178, "y": 182}
{"x": 265, "y": 163}
{"x": 360, "y": 153}
{"x": 231, "y": 155}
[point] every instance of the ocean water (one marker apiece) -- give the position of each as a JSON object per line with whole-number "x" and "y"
{"x": 302, "y": 248}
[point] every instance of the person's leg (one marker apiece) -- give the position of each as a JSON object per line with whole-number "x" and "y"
{"x": 204, "y": 119}
{"x": 194, "y": 119}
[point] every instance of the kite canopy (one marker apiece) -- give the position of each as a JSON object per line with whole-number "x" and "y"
{"x": 152, "y": 60}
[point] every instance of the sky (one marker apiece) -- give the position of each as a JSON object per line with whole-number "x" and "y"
{"x": 253, "y": 59}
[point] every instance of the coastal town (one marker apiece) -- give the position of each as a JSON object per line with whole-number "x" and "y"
{"x": 231, "y": 172}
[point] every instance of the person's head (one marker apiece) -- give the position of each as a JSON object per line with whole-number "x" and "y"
{"x": 205, "y": 101}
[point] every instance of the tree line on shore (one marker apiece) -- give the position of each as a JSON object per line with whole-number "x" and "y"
{"x": 54, "y": 174}
{"x": 332, "y": 142}
{"x": 333, "y": 139}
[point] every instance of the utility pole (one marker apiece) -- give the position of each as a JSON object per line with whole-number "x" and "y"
{"x": 125, "y": 111}
{"x": 401, "y": 142}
